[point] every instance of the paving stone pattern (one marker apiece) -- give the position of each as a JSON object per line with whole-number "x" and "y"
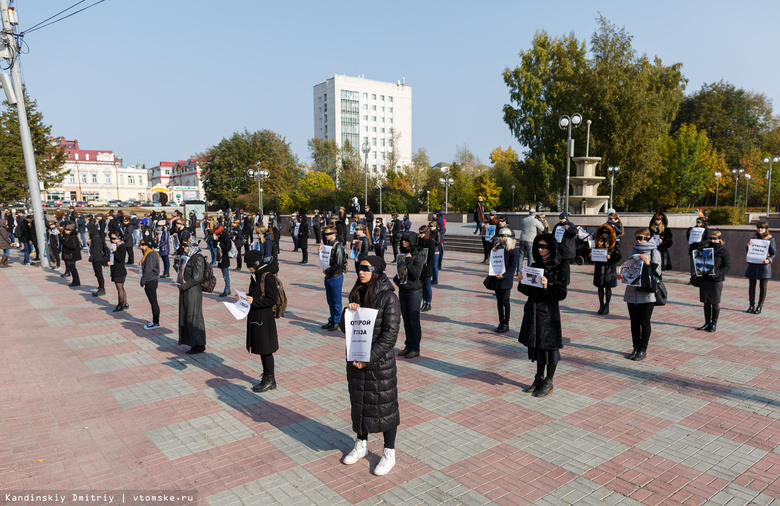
{"x": 92, "y": 401}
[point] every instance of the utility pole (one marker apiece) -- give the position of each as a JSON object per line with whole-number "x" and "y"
{"x": 9, "y": 23}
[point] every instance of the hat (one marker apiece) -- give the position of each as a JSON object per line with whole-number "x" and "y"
{"x": 492, "y": 213}
{"x": 377, "y": 263}
{"x": 502, "y": 217}
{"x": 563, "y": 215}
{"x": 253, "y": 258}
{"x": 532, "y": 211}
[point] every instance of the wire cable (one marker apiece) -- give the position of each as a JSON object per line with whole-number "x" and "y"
{"x": 63, "y": 18}
{"x": 52, "y": 17}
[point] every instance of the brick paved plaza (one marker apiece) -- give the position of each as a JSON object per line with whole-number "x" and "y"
{"x": 92, "y": 401}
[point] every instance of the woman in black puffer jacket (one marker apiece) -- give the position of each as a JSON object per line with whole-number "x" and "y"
{"x": 372, "y": 385}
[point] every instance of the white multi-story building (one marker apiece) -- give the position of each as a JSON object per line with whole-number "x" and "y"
{"x": 359, "y": 110}
{"x": 98, "y": 175}
{"x": 182, "y": 179}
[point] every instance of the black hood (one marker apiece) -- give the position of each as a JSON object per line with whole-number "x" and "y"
{"x": 412, "y": 238}
{"x": 93, "y": 229}
{"x": 549, "y": 239}
{"x": 664, "y": 220}
{"x": 272, "y": 266}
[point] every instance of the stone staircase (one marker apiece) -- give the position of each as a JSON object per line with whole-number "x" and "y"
{"x": 463, "y": 243}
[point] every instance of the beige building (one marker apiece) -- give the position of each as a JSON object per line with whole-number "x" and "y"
{"x": 359, "y": 110}
{"x": 98, "y": 175}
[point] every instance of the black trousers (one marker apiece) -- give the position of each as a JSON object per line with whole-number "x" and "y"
{"x": 71, "y": 267}
{"x": 504, "y": 306}
{"x": 641, "y": 316}
{"x": 130, "y": 260}
{"x": 395, "y": 249}
{"x": 98, "y": 268}
{"x": 389, "y": 436}
{"x": 150, "y": 287}
{"x": 304, "y": 251}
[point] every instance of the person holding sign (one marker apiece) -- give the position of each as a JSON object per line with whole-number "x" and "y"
{"x": 761, "y": 255}
{"x": 698, "y": 239}
{"x": 641, "y": 303}
{"x": 118, "y": 270}
{"x": 502, "y": 281}
{"x": 604, "y": 271}
{"x": 659, "y": 226}
{"x": 192, "y": 327}
{"x": 565, "y": 234}
{"x": 541, "y": 330}
{"x": 711, "y": 284}
{"x": 334, "y": 275}
{"x": 373, "y": 390}
{"x": 410, "y": 293}
{"x": 261, "y": 336}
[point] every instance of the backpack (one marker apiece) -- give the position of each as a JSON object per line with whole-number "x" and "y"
{"x": 281, "y": 298}
{"x": 209, "y": 280}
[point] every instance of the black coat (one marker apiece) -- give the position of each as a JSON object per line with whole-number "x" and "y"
{"x": 508, "y": 279}
{"x": 224, "y": 245}
{"x": 192, "y": 327}
{"x": 605, "y": 273}
{"x": 431, "y": 246}
{"x": 118, "y": 269}
{"x": 71, "y": 248}
{"x": 763, "y": 271}
{"x": 261, "y": 336}
{"x": 567, "y": 246}
{"x": 541, "y": 328}
{"x": 415, "y": 265}
{"x": 373, "y": 390}
{"x": 666, "y": 242}
{"x": 711, "y": 286}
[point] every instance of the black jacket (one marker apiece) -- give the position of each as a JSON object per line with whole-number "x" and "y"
{"x": 567, "y": 247}
{"x": 541, "y": 326}
{"x": 223, "y": 243}
{"x": 118, "y": 269}
{"x": 722, "y": 265}
{"x": 336, "y": 266}
{"x": 373, "y": 390}
{"x": 415, "y": 265}
{"x": 510, "y": 266}
{"x": 666, "y": 242}
{"x": 261, "y": 335}
{"x": 71, "y": 248}
{"x": 431, "y": 246}
{"x": 395, "y": 230}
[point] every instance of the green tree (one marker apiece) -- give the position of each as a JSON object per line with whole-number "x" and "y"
{"x": 225, "y": 175}
{"x": 486, "y": 188}
{"x": 50, "y": 156}
{"x": 461, "y": 192}
{"x": 688, "y": 164}
{"x": 326, "y": 156}
{"x": 502, "y": 172}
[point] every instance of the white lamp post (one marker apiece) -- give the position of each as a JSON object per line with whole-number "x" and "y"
{"x": 366, "y": 150}
{"x": 428, "y": 200}
{"x": 736, "y": 173}
{"x": 717, "y": 186}
{"x": 769, "y": 160}
{"x": 259, "y": 174}
{"x": 513, "y": 198}
{"x": 566, "y": 123}
{"x": 747, "y": 189}
{"x": 446, "y": 181}
{"x": 612, "y": 171}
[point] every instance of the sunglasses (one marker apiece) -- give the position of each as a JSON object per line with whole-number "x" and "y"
{"x": 366, "y": 268}
{"x": 761, "y": 228}
{"x": 504, "y": 235}
{"x": 714, "y": 238}
{"x": 643, "y": 238}
{"x": 330, "y": 233}
{"x": 543, "y": 246}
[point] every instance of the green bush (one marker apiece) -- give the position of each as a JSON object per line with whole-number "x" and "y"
{"x": 325, "y": 199}
{"x": 680, "y": 210}
{"x": 398, "y": 201}
{"x": 726, "y": 215}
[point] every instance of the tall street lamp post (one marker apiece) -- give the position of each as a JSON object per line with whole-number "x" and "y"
{"x": 612, "y": 171}
{"x": 566, "y": 123}
{"x": 259, "y": 174}
{"x": 446, "y": 181}
{"x": 428, "y": 200}
{"x": 513, "y": 198}
{"x": 736, "y": 173}
{"x": 366, "y": 150}
{"x": 379, "y": 185}
{"x": 717, "y": 186}
{"x": 769, "y": 160}
{"x": 747, "y": 189}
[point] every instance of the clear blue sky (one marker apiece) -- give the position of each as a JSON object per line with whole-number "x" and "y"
{"x": 165, "y": 79}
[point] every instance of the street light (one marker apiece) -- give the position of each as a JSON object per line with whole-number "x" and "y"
{"x": 513, "y": 198}
{"x": 446, "y": 181}
{"x": 259, "y": 174}
{"x": 612, "y": 171}
{"x": 747, "y": 189}
{"x": 428, "y": 200}
{"x": 768, "y": 160}
{"x": 717, "y": 186}
{"x": 366, "y": 150}
{"x": 379, "y": 185}
{"x": 736, "y": 173}
{"x": 566, "y": 123}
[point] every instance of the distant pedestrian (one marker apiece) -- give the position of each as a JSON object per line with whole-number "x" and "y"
{"x": 605, "y": 273}
{"x": 662, "y": 235}
{"x": 380, "y": 238}
{"x": 221, "y": 238}
{"x": 427, "y": 247}
{"x": 71, "y": 253}
{"x": 150, "y": 271}
{"x": 98, "y": 257}
{"x": 711, "y": 284}
{"x": 262, "y": 296}
{"x": 118, "y": 270}
{"x": 302, "y": 228}
{"x": 566, "y": 240}
{"x": 760, "y": 272}
{"x": 192, "y": 269}
{"x": 410, "y": 294}
{"x": 530, "y": 227}
{"x": 5, "y": 243}
{"x": 334, "y": 276}
{"x": 503, "y": 283}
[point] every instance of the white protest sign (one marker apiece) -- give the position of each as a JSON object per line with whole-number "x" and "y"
{"x": 758, "y": 250}
{"x": 497, "y": 266}
{"x": 325, "y": 257}
{"x": 696, "y": 233}
{"x": 359, "y": 325}
{"x": 532, "y": 276}
{"x": 297, "y": 228}
{"x": 559, "y": 231}
{"x": 240, "y": 308}
{"x": 598, "y": 255}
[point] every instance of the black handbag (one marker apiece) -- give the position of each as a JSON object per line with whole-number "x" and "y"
{"x": 661, "y": 295}
{"x": 491, "y": 282}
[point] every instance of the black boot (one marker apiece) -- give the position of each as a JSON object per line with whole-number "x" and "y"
{"x": 545, "y": 389}
{"x": 752, "y": 307}
{"x": 267, "y": 382}
{"x": 758, "y": 309}
{"x": 707, "y": 318}
{"x": 714, "y": 321}
{"x": 538, "y": 380}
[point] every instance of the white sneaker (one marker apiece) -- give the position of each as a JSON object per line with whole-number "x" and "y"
{"x": 358, "y": 452}
{"x": 151, "y": 325}
{"x": 386, "y": 463}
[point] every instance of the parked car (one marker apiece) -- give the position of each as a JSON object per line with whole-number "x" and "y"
{"x": 172, "y": 204}
{"x": 81, "y": 203}
{"x": 51, "y": 203}
{"x": 67, "y": 203}
{"x": 156, "y": 203}
{"x": 114, "y": 203}
{"x": 98, "y": 203}
{"x": 136, "y": 203}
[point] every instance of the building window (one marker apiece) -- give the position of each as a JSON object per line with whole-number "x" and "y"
{"x": 373, "y": 108}
{"x": 131, "y": 179}
{"x": 391, "y": 110}
{"x": 320, "y": 121}
{"x": 167, "y": 172}
{"x": 107, "y": 178}
{"x": 320, "y": 99}
{"x": 383, "y": 130}
{"x": 94, "y": 178}
{"x": 365, "y": 117}
{"x": 383, "y": 108}
{"x": 373, "y": 118}
{"x": 383, "y": 142}
{"x": 365, "y": 129}
{"x": 320, "y": 131}
{"x": 383, "y": 155}
{"x": 373, "y": 96}
{"x": 140, "y": 180}
{"x": 383, "y": 119}
{"x": 374, "y": 155}
{"x": 373, "y": 129}
{"x": 365, "y": 107}
{"x": 83, "y": 178}
{"x": 326, "y": 118}
{"x": 320, "y": 110}
{"x": 389, "y": 99}
{"x": 365, "y": 95}
{"x": 326, "y": 107}
{"x": 373, "y": 141}
{"x": 326, "y": 98}
{"x": 71, "y": 178}
{"x": 382, "y": 98}
{"x": 365, "y": 139}
{"x": 391, "y": 120}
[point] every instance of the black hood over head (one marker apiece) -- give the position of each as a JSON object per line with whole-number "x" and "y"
{"x": 549, "y": 239}
{"x": 412, "y": 238}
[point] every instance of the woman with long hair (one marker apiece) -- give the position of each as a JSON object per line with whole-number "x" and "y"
{"x": 426, "y": 245}
{"x": 641, "y": 303}
{"x": 372, "y": 385}
{"x": 118, "y": 270}
{"x": 711, "y": 284}
{"x": 541, "y": 331}
{"x": 613, "y": 220}
{"x": 659, "y": 226}
{"x": 760, "y": 272}
{"x": 605, "y": 273}
{"x": 504, "y": 241}
{"x": 150, "y": 271}
{"x": 360, "y": 245}
{"x": 221, "y": 238}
